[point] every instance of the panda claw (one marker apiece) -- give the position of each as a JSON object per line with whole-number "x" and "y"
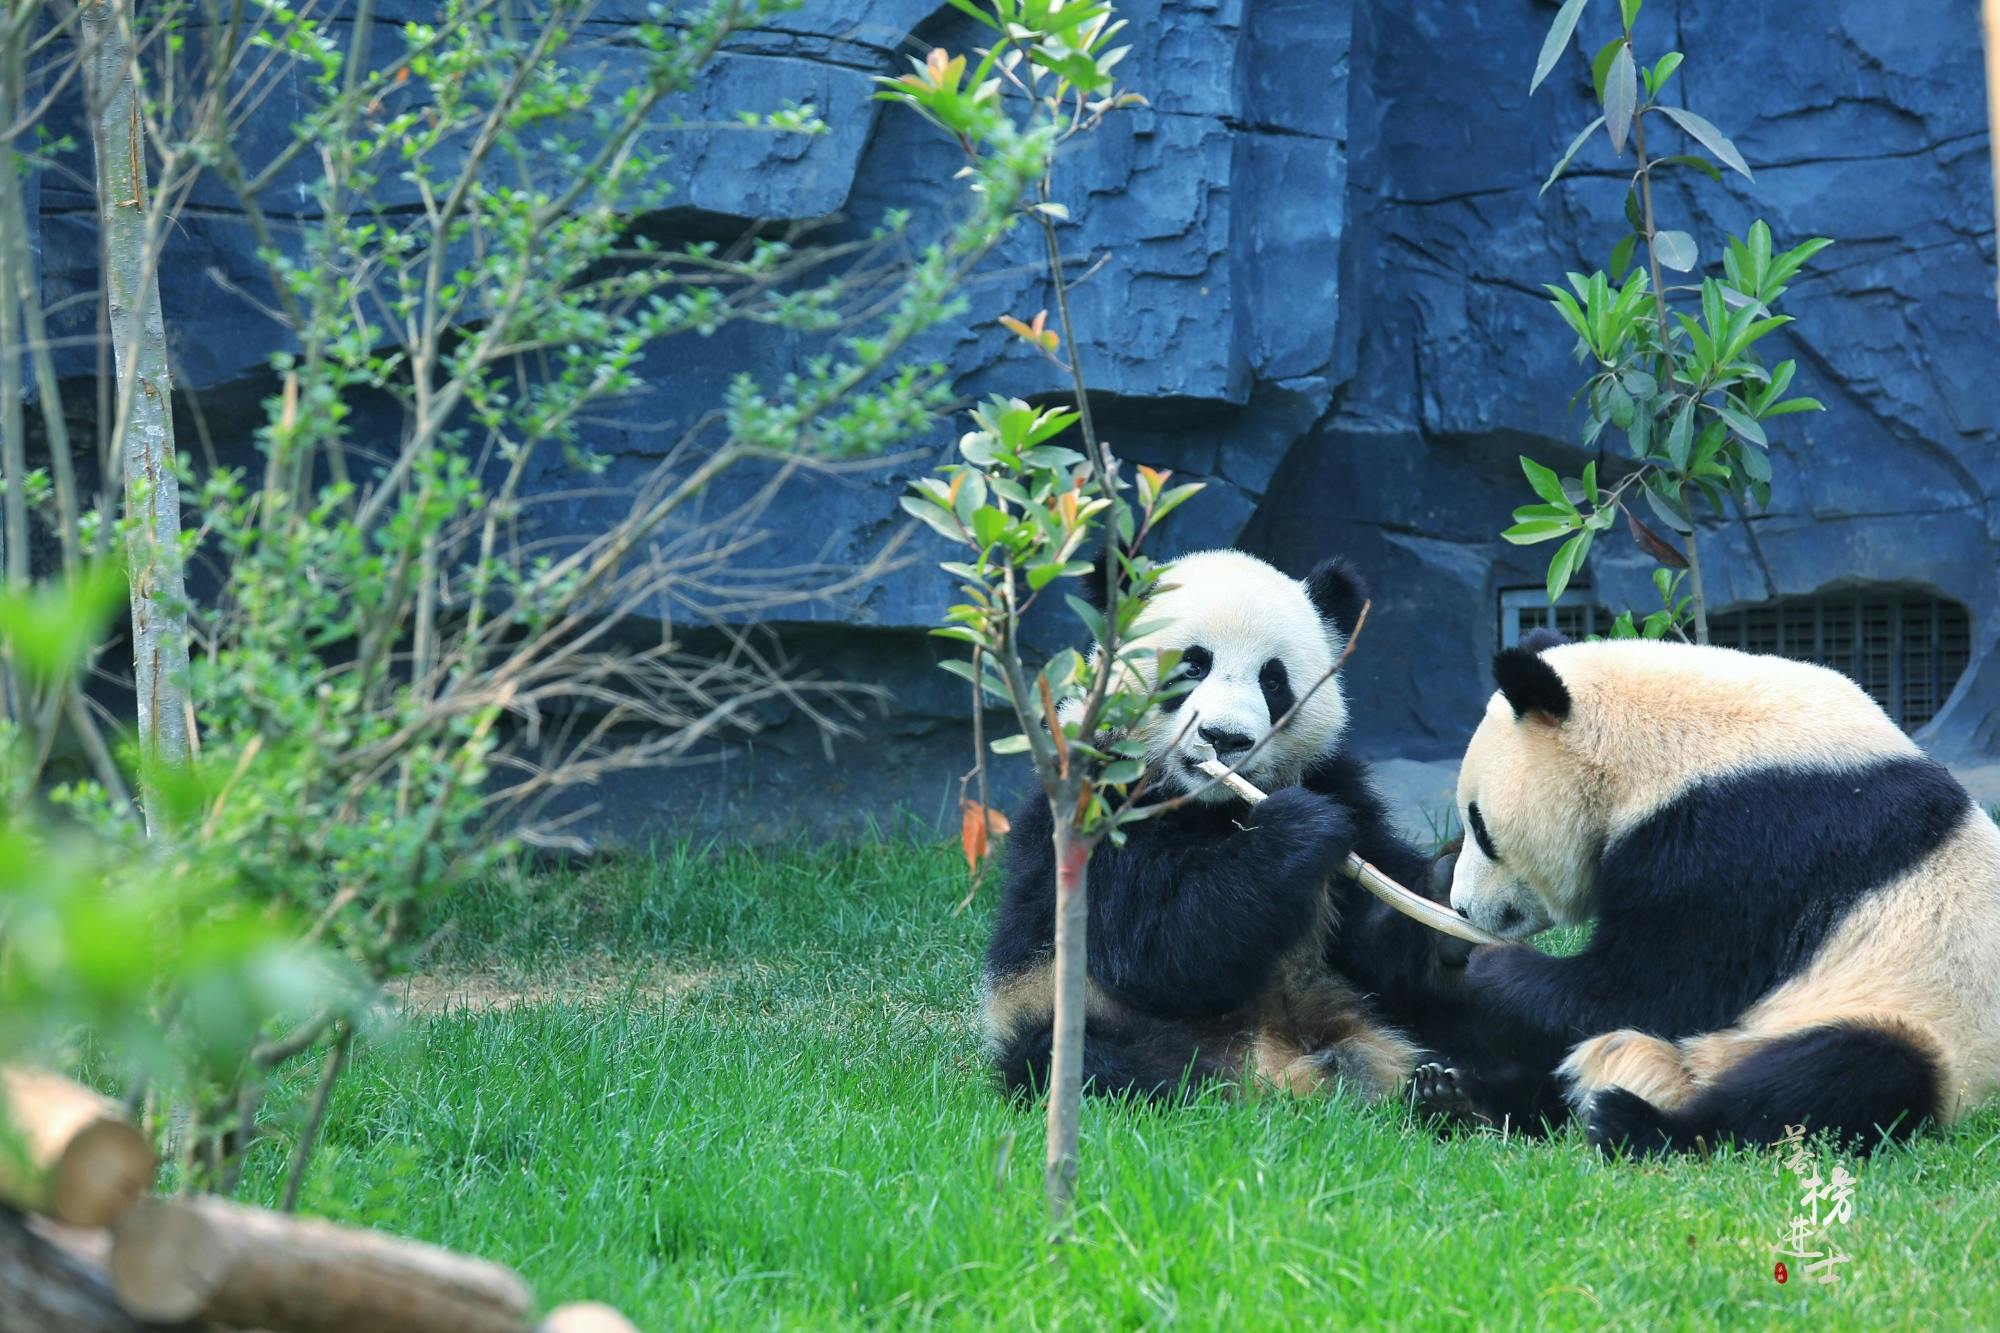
{"x": 1437, "y": 1091}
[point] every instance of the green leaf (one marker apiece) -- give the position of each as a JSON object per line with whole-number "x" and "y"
{"x": 1667, "y": 505}
{"x": 1639, "y": 436}
{"x": 988, "y": 525}
{"x": 1760, "y": 253}
{"x": 51, "y": 628}
{"x": 1709, "y": 137}
{"x": 1600, "y": 65}
{"x": 1621, "y": 97}
{"x": 1639, "y": 384}
{"x": 1123, "y": 773}
{"x": 1621, "y": 256}
{"x": 1041, "y": 576}
{"x": 1571, "y": 312}
{"x": 1537, "y": 530}
{"x": 975, "y": 11}
{"x": 1692, "y": 163}
{"x": 1681, "y": 435}
{"x": 1791, "y": 405}
{"x": 1092, "y": 618}
{"x": 1632, "y": 214}
{"x": 1784, "y": 266}
{"x": 939, "y": 518}
{"x": 1619, "y": 405}
{"x": 1629, "y": 10}
{"x": 1175, "y": 498}
{"x": 1675, "y": 249}
{"x": 1562, "y": 163}
{"x": 1704, "y": 349}
{"x": 1663, "y": 71}
{"x": 1546, "y": 483}
{"x": 1558, "y": 38}
{"x": 1781, "y": 380}
{"x": 1017, "y": 744}
{"x": 1756, "y": 464}
{"x": 1741, "y": 424}
{"x": 1564, "y": 566}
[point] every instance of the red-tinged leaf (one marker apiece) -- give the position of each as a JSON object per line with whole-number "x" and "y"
{"x": 1653, "y": 544}
{"x": 974, "y": 827}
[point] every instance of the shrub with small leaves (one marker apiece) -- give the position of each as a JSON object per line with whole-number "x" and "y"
{"x": 1673, "y": 366}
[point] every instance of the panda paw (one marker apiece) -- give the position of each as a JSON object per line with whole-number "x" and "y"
{"x": 1305, "y": 827}
{"x": 1437, "y": 1091}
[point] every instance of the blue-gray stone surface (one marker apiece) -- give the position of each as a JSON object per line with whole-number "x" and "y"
{"x": 1320, "y": 290}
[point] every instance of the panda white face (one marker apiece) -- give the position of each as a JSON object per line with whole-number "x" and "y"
{"x": 1253, "y": 642}
{"x": 1532, "y": 822}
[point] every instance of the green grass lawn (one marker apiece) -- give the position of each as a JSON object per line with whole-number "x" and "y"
{"x": 747, "y": 1090}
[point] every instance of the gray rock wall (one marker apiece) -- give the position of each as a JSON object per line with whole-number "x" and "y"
{"x": 1322, "y": 295}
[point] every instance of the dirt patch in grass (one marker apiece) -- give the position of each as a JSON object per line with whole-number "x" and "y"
{"x": 586, "y": 981}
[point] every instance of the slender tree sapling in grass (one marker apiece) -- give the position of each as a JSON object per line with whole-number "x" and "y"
{"x": 1025, "y": 509}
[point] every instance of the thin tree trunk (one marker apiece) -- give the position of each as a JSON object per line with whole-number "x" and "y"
{"x": 145, "y": 427}
{"x": 1066, "y": 1055}
{"x": 1697, "y": 595}
{"x": 1990, "y": 22}
{"x": 13, "y": 443}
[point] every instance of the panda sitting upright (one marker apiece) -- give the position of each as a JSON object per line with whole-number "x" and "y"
{"x": 1797, "y": 913}
{"x": 1220, "y": 936}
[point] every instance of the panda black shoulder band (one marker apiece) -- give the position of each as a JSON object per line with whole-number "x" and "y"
{"x": 1412, "y": 905}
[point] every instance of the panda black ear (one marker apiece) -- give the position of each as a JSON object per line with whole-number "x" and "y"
{"x": 1338, "y": 593}
{"x": 1541, "y": 639}
{"x": 1530, "y": 683}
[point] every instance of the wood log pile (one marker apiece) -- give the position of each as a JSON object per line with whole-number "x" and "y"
{"x": 86, "y": 1247}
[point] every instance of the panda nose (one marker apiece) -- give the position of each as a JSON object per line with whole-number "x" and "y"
{"x": 1226, "y": 742}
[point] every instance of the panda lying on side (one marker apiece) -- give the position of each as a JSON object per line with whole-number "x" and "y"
{"x": 1797, "y": 913}
{"x": 1221, "y": 936}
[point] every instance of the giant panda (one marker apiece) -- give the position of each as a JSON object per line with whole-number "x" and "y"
{"x": 1797, "y": 913}
{"x": 1220, "y": 938}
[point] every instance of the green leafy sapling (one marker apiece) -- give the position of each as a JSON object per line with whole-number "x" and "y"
{"x": 1024, "y": 509}
{"x": 1673, "y": 366}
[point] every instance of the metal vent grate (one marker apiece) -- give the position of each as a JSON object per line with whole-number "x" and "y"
{"x": 1576, "y": 614}
{"x": 1907, "y": 649}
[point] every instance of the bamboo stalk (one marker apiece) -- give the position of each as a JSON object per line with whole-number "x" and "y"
{"x": 1414, "y": 906}
{"x": 77, "y": 1157}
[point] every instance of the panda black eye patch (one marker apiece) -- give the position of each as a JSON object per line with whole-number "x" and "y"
{"x": 1276, "y": 683}
{"x": 1472, "y": 817}
{"x": 1195, "y": 663}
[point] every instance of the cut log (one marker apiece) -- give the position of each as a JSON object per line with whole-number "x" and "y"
{"x": 586, "y": 1317}
{"x": 50, "y": 1282}
{"x": 187, "y": 1257}
{"x": 82, "y": 1161}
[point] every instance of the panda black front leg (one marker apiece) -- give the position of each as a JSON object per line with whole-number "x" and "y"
{"x": 1189, "y": 916}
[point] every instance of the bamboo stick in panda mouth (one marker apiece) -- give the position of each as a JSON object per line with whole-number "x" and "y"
{"x": 1412, "y": 905}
